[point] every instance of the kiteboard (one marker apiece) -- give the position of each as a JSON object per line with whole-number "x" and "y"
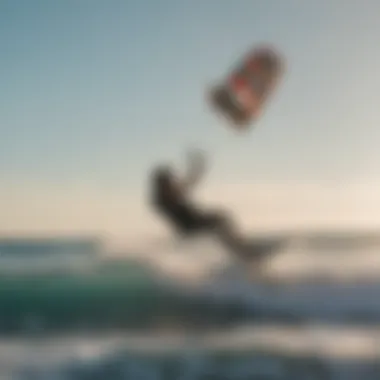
{"x": 242, "y": 95}
{"x": 252, "y": 249}
{"x": 204, "y": 258}
{"x": 249, "y": 257}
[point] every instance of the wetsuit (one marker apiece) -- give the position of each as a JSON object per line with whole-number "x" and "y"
{"x": 173, "y": 204}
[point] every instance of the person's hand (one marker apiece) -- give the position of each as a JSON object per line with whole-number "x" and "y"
{"x": 196, "y": 159}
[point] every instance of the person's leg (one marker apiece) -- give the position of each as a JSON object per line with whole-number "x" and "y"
{"x": 216, "y": 221}
{"x": 224, "y": 228}
{"x": 193, "y": 221}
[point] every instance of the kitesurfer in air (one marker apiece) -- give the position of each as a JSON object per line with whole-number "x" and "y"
{"x": 171, "y": 198}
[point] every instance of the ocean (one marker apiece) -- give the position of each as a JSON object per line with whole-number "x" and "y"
{"x": 70, "y": 311}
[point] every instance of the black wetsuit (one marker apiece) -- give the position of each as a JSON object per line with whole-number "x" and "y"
{"x": 179, "y": 211}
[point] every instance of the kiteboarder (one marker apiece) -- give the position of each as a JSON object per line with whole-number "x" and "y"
{"x": 171, "y": 199}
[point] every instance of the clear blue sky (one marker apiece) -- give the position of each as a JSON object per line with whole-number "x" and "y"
{"x": 95, "y": 91}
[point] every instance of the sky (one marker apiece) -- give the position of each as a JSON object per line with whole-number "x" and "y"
{"x": 95, "y": 92}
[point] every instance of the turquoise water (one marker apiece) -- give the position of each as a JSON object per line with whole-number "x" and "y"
{"x": 126, "y": 294}
{"x": 123, "y": 296}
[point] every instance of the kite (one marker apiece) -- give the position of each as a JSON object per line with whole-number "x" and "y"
{"x": 242, "y": 96}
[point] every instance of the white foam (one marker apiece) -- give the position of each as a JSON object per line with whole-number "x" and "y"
{"x": 196, "y": 260}
{"x": 191, "y": 260}
{"x": 300, "y": 264}
{"x": 335, "y": 342}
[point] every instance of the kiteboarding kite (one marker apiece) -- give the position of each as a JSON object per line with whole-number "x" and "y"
{"x": 241, "y": 97}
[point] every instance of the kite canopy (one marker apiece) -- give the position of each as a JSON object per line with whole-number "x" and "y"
{"x": 241, "y": 97}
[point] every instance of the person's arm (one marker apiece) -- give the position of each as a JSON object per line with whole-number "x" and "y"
{"x": 195, "y": 170}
